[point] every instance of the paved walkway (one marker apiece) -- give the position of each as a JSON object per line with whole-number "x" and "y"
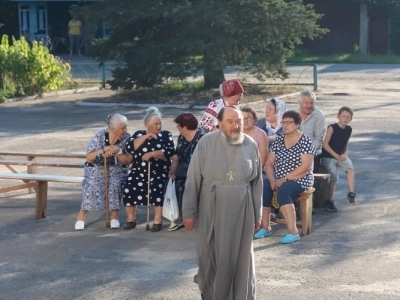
{"x": 352, "y": 254}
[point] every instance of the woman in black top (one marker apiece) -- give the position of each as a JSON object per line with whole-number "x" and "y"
{"x": 187, "y": 142}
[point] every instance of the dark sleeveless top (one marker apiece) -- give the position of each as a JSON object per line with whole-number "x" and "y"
{"x": 339, "y": 139}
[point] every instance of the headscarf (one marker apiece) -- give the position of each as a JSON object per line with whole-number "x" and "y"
{"x": 231, "y": 88}
{"x": 280, "y": 110}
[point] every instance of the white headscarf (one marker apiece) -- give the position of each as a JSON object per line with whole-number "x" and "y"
{"x": 280, "y": 110}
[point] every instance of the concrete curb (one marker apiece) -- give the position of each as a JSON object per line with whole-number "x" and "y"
{"x": 178, "y": 106}
{"x": 55, "y": 93}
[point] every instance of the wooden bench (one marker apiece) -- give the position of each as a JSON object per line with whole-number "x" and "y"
{"x": 32, "y": 163}
{"x": 306, "y": 203}
{"x": 40, "y": 181}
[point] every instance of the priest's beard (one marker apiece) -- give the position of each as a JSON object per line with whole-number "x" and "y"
{"x": 234, "y": 138}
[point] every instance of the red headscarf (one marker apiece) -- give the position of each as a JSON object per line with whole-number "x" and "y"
{"x": 231, "y": 88}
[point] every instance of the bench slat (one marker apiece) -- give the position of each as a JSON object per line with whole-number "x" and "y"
{"x": 40, "y": 164}
{"x": 41, "y": 154}
{"x": 42, "y": 177}
{"x": 32, "y": 184}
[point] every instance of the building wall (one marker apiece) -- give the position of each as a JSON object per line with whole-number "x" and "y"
{"x": 342, "y": 18}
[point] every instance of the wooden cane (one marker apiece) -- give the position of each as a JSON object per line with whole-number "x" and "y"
{"x": 148, "y": 196}
{"x": 106, "y": 193}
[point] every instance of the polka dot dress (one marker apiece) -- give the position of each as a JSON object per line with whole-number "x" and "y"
{"x": 135, "y": 187}
{"x": 288, "y": 159}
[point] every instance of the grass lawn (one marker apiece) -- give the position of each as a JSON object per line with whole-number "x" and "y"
{"x": 350, "y": 58}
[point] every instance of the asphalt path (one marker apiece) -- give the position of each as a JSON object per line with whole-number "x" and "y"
{"x": 351, "y": 254}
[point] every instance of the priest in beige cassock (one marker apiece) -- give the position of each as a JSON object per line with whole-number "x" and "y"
{"x": 222, "y": 201}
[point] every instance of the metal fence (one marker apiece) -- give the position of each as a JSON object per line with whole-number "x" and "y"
{"x": 299, "y": 74}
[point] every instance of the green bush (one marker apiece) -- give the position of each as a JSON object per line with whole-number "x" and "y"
{"x": 29, "y": 70}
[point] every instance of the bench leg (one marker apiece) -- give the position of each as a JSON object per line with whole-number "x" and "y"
{"x": 31, "y": 170}
{"x": 306, "y": 216}
{"x": 41, "y": 200}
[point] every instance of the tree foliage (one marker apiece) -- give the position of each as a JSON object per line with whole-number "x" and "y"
{"x": 29, "y": 70}
{"x": 154, "y": 40}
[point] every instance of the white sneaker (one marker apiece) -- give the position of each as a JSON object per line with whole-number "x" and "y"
{"x": 172, "y": 225}
{"x": 79, "y": 225}
{"x": 115, "y": 224}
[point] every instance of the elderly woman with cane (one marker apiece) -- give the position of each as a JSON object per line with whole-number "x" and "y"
{"x": 152, "y": 150}
{"x": 109, "y": 144}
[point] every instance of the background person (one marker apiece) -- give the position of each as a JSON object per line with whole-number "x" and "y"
{"x": 150, "y": 145}
{"x": 271, "y": 123}
{"x": 335, "y": 155}
{"x": 74, "y": 31}
{"x": 231, "y": 93}
{"x": 249, "y": 128}
{"x": 289, "y": 173}
{"x": 313, "y": 122}
{"x": 189, "y": 136}
{"x": 108, "y": 143}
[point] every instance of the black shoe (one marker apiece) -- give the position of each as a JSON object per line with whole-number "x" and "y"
{"x": 352, "y": 198}
{"x": 156, "y": 227}
{"x": 130, "y": 225}
{"x": 330, "y": 206}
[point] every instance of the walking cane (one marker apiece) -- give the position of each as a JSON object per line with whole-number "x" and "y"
{"x": 106, "y": 193}
{"x": 148, "y": 196}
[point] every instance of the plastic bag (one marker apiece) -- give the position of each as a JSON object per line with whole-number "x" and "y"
{"x": 170, "y": 207}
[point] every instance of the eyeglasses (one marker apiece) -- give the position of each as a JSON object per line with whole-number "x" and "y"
{"x": 287, "y": 122}
{"x": 248, "y": 119}
{"x": 178, "y": 126}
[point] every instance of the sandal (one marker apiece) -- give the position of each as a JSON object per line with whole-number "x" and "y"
{"x": 290, "y": 238}
{"x": 156, "y": 227}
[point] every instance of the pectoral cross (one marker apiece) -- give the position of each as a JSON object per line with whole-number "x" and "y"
{"x": 230, "y": 175}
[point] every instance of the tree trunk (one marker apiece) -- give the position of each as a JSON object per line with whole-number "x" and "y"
{"x": 364, "y": 29}
{"x": 213, "y": 76}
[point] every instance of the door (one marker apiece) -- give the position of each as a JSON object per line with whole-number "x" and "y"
{"x": 378, "y": 35}
{"x": 33, "y": 21}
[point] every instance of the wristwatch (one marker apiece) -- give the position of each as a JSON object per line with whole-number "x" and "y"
{"x": 286, "y": 179}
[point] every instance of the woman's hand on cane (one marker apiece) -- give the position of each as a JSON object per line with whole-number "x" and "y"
{"x": 113, "y": 149}
{"x": 147, "y": 156}
{"x": 107, "y": 154}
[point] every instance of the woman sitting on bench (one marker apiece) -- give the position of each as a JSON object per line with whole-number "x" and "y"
{"x": 108, "y": 143}
{"x": 289, "y": 173}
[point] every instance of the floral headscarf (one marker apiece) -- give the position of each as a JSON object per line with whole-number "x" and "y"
{"x": 231, "y": 88}
{"x": 280, "y": 110}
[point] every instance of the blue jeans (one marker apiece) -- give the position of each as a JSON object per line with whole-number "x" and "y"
{"x": 286, "y": 192}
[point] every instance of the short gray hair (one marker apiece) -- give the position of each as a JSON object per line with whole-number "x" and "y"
{"x": 114, "y": 119}
{"x": 151, "y": 112}
{"x": 309, "y": 94}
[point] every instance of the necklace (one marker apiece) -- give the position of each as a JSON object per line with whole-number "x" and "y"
{"x": 231, "y": 174}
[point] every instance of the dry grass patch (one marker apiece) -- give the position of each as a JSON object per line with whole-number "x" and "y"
{"x": 193, "y": 94}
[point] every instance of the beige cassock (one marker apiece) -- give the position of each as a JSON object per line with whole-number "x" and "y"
{"x": 224, "y": 194}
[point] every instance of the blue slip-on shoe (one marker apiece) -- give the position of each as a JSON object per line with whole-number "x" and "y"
{"x": 262, "y": 233}
{"x": 290, "y": 238}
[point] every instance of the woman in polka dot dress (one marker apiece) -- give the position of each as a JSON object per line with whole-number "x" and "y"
{"x": 154, "y": 145}
{"x": 289, "y": 173}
